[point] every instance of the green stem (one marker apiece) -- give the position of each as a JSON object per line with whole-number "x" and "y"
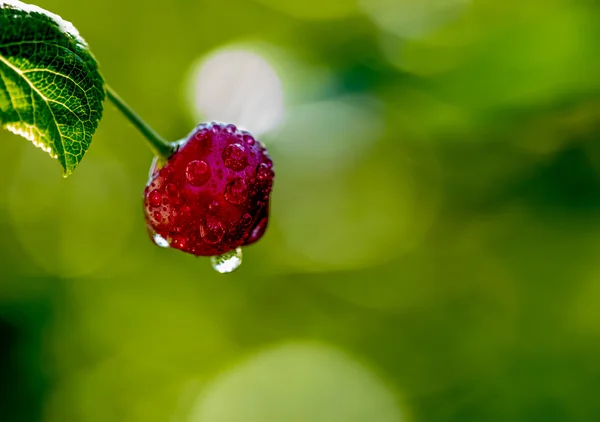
{"x": 157, "y": 144}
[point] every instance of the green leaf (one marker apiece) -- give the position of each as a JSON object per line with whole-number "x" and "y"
{"x": 51, "y": 91}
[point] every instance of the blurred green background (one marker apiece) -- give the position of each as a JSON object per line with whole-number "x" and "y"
{"x": 434, "y": 243}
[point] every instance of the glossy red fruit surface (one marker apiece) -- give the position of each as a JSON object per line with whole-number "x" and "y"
{"x": 212, "y": 195}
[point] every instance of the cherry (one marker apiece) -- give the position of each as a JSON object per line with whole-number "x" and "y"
{"x": 212, "y": 195}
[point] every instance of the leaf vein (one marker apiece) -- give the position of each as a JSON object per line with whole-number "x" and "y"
{"x": 42, "y": 96}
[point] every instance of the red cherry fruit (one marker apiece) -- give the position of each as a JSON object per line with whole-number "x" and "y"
{"x": 212, "y": 195}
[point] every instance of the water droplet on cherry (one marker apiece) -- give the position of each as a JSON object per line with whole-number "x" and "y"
{"x": 212, "y": 231}
{"x": 236, "y": 192}
{"x": 178, "y": 242}
{"x": 263, "y": 172}
{"x": 160, "y": 241}
{"x": 197, "y": 172}
{"x": 245, "y": 220}
{"x": 249, "y": 139}
{"x": 234, "y": 157}
{"x": 228, "y": 262}
{"x": 154, "y": 198}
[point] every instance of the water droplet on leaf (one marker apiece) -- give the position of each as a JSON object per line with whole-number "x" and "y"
{"x": 227, "y": 262}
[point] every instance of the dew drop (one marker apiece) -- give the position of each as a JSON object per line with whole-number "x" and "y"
{"x": 263, "y": 172}
{"x": 160, "y": 241}
{"x": 236, "y": 192}
{"x": 201, "y": 132}
{"x": 203, "y": 139}
{"x": 249, "y": 140}
{"x": 228, "y": 262}
{"x": 154, "y": 198}
{"x": 197, "y": 172}
{"x": 179, "y": 242}
{"x": 245, "y": 220}
{"x": 212, "y": 231}
{"x": 234, "y": 157}
{"x": 230, "y": 128}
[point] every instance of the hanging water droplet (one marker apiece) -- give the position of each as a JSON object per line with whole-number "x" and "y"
{"x": 160, "y": 241}
{"x": 227, "y": 262}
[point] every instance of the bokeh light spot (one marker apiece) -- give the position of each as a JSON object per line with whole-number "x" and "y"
{"x": 297, "y": 382}
{"x": 329, "y": 135}
{"x": 71, "y": 227}
{"x": 238, "y": 86}
{"x": 348, "y": 222}
{"x": 413, "y": 18}
{"x": 314, "y": 9}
